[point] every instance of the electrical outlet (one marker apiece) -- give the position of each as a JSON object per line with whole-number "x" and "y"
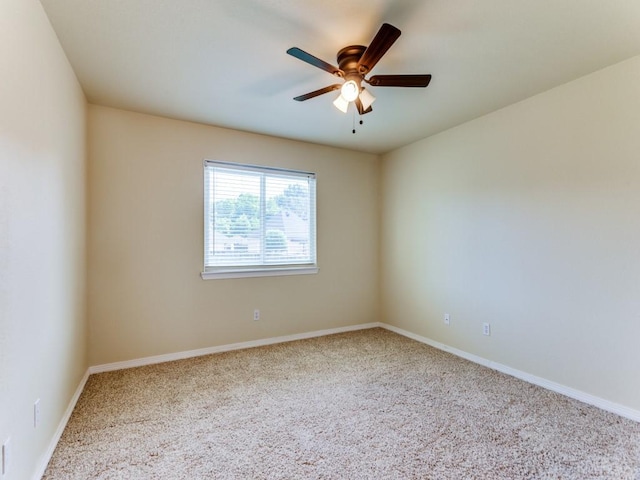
{"x": 486, "y": 329}
{"x": 36, "y": 413}
{"x": 6, "y": 457}
{"x": 447, "y": 320}
{"x": 256, "y": 314}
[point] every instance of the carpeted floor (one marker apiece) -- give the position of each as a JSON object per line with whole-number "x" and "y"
{"x": 364, "y": 405}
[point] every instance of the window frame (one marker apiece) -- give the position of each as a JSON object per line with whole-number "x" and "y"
{"x": 211, "y": 272}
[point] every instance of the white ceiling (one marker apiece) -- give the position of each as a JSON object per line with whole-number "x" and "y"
{"x": 223, "y": 62}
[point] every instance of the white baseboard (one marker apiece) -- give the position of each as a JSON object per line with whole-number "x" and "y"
{"x": 169, "y": 357}
{"x": 587, "y": 398}
{"x": 61, "y": 426}
{"x": 584, "y": 397}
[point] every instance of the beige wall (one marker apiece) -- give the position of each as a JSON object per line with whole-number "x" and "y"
{"x": 527, "y": 218}
{"x": 42, "y": 231}
{"x": 146, "y": 296}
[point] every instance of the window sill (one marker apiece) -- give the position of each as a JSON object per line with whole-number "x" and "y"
{"x": 263, "y": 272}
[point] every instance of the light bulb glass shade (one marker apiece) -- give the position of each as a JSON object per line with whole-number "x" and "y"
{"x": 366, "y": 98}
{"x": 341, "y": 104}
{"x": 349, "y": 90}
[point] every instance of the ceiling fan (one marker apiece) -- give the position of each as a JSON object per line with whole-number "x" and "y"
{"x": 354, "y": 63}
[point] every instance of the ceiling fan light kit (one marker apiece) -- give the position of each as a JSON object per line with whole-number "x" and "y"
{"x": 341, "y": 104}
{"x": 366, "y": 98}
{"x": 350, "y": 90}
{"x": 354, "y": 63}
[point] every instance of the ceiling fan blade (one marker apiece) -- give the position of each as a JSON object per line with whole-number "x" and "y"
{"x": 315, "y": 93}
{"x": 383, "y": 40}
{"x": 360, "y": 107}
{"x": 315, "y": 61}
{"x": 399, "y": 80}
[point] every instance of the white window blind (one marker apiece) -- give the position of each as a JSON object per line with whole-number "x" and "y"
{"x": 258, "y": 218}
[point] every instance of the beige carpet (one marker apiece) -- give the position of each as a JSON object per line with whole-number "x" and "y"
{"x": 362, "y": 405}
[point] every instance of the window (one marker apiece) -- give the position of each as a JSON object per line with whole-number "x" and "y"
{"x": 258, "y": 221}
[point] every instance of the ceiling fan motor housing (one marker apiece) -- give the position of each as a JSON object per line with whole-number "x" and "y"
{"x": 348, "y": 59}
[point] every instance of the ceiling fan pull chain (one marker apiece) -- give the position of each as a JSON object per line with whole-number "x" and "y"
{"x": 353, "y": 122}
